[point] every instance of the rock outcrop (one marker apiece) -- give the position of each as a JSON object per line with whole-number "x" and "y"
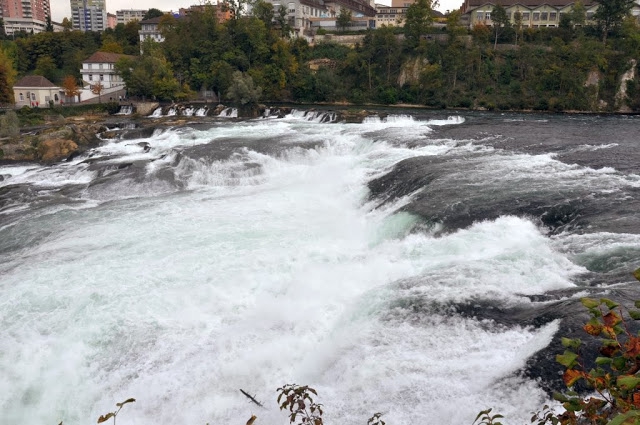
{"x": 53, "y": 150}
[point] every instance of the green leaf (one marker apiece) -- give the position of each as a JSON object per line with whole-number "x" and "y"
{"x": 560, "y": 397}
{"x": 628, "y": 382}
{"x": 571, "y": 343}
{"x": 620, "y": 419}
{"x": 603, "y": 360}
{"x": 637, "y": 303}
{"x": 635, "y": 314}
{"x": 589, "y": 302}
{"x": 636, "y": 274}
{"x": 619, "y": 363}
{"x": 609, "y": 303}
{"x": 567, "y": 359}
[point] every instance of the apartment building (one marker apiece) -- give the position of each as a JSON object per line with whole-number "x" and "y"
{"x": 129, "y": 15}
{"x": 89, "y": 15}
{"x": 24, "y": 15}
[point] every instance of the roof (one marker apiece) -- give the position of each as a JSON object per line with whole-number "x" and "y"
{"x": 472, "y": 4}
{"x": 34, "y": 81}
{"x": 105, "y": 57}
{"x": 155, "y": 20}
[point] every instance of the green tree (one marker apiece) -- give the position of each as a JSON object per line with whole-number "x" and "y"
{"x": 153, "y": 13}
{"x": 610, "y": 15}
{"x": 49, "y": 27}
{"x": 500, "y": 21}
{"x": 283, "y": 22}
{"x": 264, "y": 11}
{"x": 3, "y": 33}
{"x": 46, "y": 67}
{"x": 344, "y": 18}
{"x": 243, "y": 91}
{"x": 418, "y": 20}
{"x": 66, "y": 24}
{"x": 517, "y": 24}
{"x": 7, "y": 78}
{"x": 150, "y": 75}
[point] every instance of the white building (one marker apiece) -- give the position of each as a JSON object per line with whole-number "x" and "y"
{"x": 150, "y": 29}
{"x": 101, "y": 68}
{"x": 37, "y": 92}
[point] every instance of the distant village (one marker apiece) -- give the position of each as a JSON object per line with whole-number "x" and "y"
{"x": 307, "y": 19}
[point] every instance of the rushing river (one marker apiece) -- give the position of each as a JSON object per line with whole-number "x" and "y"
{"x": 227, "y": 254}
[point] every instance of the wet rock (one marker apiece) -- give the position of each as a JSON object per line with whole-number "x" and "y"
{"x": 52, "y": 150}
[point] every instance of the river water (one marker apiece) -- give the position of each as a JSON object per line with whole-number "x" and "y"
{"x": 225, "y": 254}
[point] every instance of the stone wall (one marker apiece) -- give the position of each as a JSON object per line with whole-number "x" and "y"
{"x": 145, "y": 108}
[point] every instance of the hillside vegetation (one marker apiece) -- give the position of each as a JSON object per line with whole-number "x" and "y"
{"x": 569, "y": 68}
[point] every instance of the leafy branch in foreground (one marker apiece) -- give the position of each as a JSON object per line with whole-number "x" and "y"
{"x": 300, "y": 404}
{"x": 486, "y": 418}
{"x": 615, "y": 379}
{"x": 104, "y": 418}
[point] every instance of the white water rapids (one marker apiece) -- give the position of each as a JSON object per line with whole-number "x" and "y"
{"x": 256, "y": 277}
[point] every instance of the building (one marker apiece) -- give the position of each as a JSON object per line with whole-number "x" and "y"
{"x": 111, "y": 20}
{"x": 150, "y": 29}
{"x": 101, "y": 68}
{"x": 37, "y": 92}
{"x": 89, "y": 15}
{"x": 24, "y": 15}
{"x": 223, "y": 14}
{"x": 534, "y": 13}
{"x": 129, "y": 15}
{"x": 302, "y": 14}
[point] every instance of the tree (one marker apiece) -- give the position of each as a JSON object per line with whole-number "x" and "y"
{"x": 66, "y": 24}
{"x": 283, "y": 22}
{"x": 46, "y": 67}
{"x": 49, "y": 27}
{"x": 243, "y": 91}
{"x": 418, "y": 21}
{"x": 610, "y": 15}
{"x": 517, "y": 24}
{"x": 264, "y": 11}
{"x": 500, "y": 20}
{"x": 3, "y": 34}
{"x": 7, "y": 78}
{"x": 70, "y": 87}
{"x": 97, "y": 88}
{"x": 152, "y": 13}
{"x": 344, "y": 18}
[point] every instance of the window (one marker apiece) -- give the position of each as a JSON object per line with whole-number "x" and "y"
{"x": 479, "y": 16}
{"x": 55, "y": 96}
{"x": 90, "y": 77}
{"x": 509, "y": 15}
{"x": 536, "y": 16}
{"x": 100, "y": 66}
{"x": 544, "y": 16}
{"x": 101, "y": 77}
{"x": 21, "y": 97}
{"x": 487, "y": 16}
{"x": 553, "y": 16}
{"x": 33, "y": 96}
{"x": 525, "y": 16}
{"x": 589, "y": 16}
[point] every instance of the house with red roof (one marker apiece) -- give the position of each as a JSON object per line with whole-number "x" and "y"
{"x": 37, "y": 92}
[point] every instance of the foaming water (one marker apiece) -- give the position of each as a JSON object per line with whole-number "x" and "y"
{"x": 265, "y": 267}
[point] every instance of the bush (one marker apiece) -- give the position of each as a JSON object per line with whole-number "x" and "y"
{"x": 9, "y": 124}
